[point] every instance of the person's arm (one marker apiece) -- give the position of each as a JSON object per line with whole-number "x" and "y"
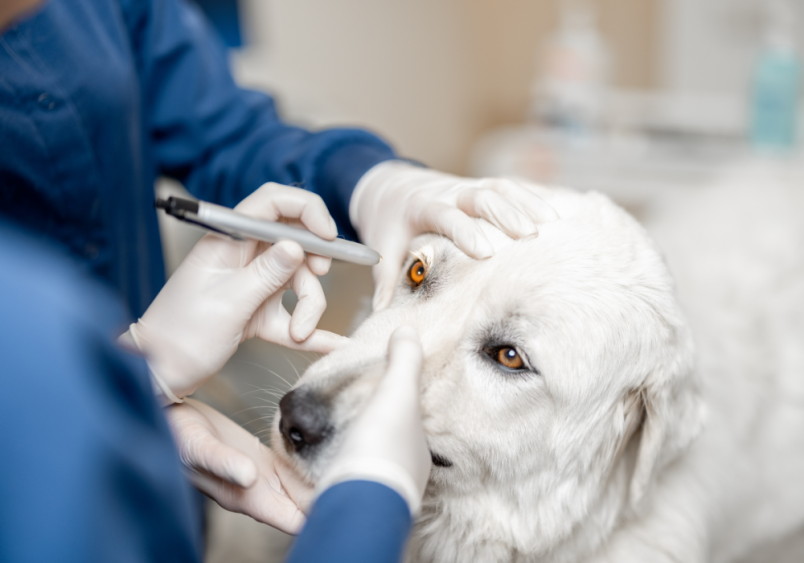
{"x": 223, "y": 293}
{"x": 354, "y": 521}
{"x": 89, "y": 470}
{"x": 372, "y": 490}
{"x": 222, "y": 142}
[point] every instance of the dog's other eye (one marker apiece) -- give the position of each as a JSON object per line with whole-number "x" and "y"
{"x": 510, "y": 358}
{"x": 506, "y": 356}
{"x": 417, "y": 273}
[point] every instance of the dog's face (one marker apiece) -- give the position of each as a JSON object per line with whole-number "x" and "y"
{"x": 556, "y": 381}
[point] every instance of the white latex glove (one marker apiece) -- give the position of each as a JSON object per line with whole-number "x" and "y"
{"x": 386, "y": 441}
{"x": 235, "y": 469}
{"x": 396, "y": 201}
{"x": 226, "y": 292}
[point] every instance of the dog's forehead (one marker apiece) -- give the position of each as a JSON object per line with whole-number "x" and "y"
{"x": 594, "y": 260}
{"x": 591, "y": 231}
{"x": 562, "y": 251}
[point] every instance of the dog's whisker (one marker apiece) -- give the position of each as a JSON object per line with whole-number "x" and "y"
{"x": 259, "y": 389}
{"x": 241, "y": 411}
{"x": 293, "y": 367}
{"x": 272, "y": 372}
{"x": 305, "y": 357}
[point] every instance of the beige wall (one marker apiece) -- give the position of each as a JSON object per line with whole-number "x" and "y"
{"x": 430, "y": 75}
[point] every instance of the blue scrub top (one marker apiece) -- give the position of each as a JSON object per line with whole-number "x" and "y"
{"x": 89, "y": 471}
{"x": 100, "y": 97}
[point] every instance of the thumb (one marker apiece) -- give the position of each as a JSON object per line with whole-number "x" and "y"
{"x": 396, "y": 398}
{"x": 404, "y": 363}
{"x": 202, "y": 451}
{"x": 386, "y": 442}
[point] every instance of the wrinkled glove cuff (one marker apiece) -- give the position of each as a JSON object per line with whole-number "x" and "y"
{"x": 162, "y": 391}
{"x": 378, "y": 470}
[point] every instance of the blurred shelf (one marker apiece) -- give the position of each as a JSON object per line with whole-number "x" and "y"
{"x": 636, "y": 170}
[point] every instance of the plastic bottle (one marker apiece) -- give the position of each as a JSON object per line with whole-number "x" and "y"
{"x": 776, "y": 88}
{"x": 570, "y": 88}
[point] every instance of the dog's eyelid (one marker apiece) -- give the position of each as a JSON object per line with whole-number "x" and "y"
{"x": 531, "y": 367}
{"x": 426, "y": 254}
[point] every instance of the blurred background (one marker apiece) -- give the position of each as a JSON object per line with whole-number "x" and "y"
{"x": 648, "y": 101}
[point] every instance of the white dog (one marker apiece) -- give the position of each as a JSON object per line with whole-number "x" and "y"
{"x": 561, "y": 405}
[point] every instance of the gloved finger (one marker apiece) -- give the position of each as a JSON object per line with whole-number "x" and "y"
{"x": 228, "y": 430}
{"x": 310, "y": 306}
{"x": 386, "y": 441}
{"x": 320, "y": 342}
{"x": 214, "y": 251}
{"x": 201, "y": 450}
{"x": 453, "y": 223}
{"x": 274, "y": 201}
{"x": 404, "y": 362}
{"x": 298, "y": 490}
{"x": 319, "y": 265}
{"x": 526, "y": 199}
{"x": 393, "y": 251}
{"x": 262, "y": 502}
{"x": 494, "y": 208}
{"x": 270, "y": 271}
{"x": 272, "y": 324}
{"x": 399, "y": 387}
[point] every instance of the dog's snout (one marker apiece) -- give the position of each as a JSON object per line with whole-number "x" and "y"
{"x": 304, "y": 421}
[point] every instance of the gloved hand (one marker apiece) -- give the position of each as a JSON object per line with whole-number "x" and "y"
{"x": 235, "y": 469}
{"x": 227, "y": 291}
{"x": 386, "y": 441}
{"x": 396, "y": 201}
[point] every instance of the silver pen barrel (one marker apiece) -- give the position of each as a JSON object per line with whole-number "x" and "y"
{"x": 231, "y": 221}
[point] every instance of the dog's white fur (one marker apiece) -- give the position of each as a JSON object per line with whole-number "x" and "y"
{"x": 595, "y": 457}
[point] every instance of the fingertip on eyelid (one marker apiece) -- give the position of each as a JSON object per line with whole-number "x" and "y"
{"x": 481, "y": 248}
{"x": 523, "y": 225}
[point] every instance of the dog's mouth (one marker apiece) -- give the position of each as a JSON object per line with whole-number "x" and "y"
{"x": 439, "y": 460}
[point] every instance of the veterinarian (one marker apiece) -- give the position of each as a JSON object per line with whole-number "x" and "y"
{"x": 90, "y": 472}
{"x": 100, "y": 97}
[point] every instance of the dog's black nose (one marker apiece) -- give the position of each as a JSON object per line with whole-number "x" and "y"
{"x": 305, "y": 420}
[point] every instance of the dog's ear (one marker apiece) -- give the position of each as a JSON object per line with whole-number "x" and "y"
{"x": 665, "y": 415}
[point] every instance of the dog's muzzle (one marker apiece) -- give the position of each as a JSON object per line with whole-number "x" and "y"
{"x": 304, "y": 421}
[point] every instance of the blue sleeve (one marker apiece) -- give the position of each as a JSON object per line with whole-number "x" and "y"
{"x": 354, "y": 522}
{"x": 89, "y": 471}
{"x": 222, "y": 142}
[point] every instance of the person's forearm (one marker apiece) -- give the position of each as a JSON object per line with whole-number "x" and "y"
{"x": 355, "y": 521}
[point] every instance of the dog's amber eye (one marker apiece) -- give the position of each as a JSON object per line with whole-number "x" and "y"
{"x": 510, "y": 358}
{"x": 417, "y": 273}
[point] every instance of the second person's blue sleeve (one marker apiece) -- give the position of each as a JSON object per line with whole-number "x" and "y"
{"x": 89, "y": 472}
{"x": 354, "y": 522}
{"x": 222, "y": 142}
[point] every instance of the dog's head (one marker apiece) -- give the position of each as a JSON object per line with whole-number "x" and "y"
{"x": 557, "y": 380}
